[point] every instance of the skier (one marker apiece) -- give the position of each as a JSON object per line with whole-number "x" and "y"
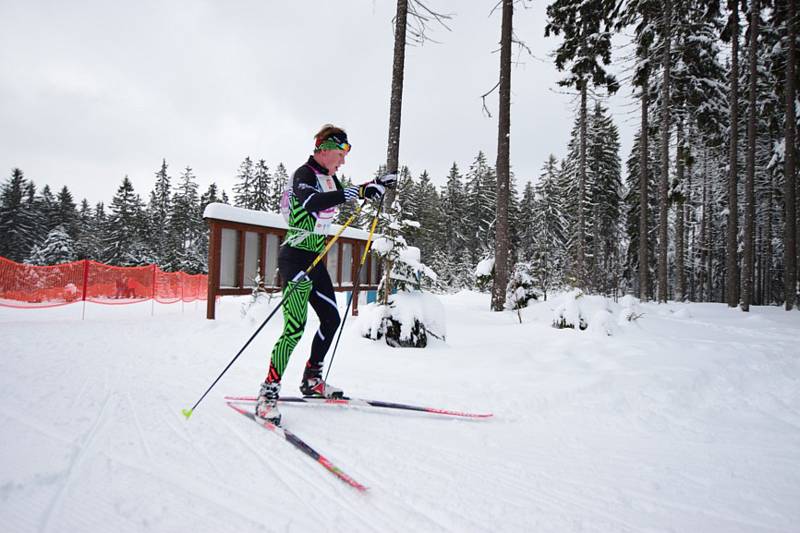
{"x": 314, "y": 193}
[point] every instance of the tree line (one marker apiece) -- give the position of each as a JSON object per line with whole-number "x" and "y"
{"x": 716, "y": 144}
{"x": 42, "y": 228}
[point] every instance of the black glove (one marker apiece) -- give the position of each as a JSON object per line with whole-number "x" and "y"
{"x": 387, "y": 180}
{"x": 372, "y": 191}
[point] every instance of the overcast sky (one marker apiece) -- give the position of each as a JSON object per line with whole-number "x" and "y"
{"x": 91, "y": 91}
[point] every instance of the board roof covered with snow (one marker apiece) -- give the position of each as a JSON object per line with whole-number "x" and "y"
{"x": 229, "y": 213}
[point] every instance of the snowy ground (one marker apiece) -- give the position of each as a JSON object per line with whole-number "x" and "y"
{"x": 686, "y": 420}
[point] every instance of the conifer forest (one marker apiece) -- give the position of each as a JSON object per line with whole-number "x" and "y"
{"x": 704, "y": 207}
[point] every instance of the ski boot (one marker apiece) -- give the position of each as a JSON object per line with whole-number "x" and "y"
{"x": 267, "y": 403}
{"x": 315, "y": 387}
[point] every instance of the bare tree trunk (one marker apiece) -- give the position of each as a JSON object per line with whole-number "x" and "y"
{"x": 690, "y": 217}
{"x": 701, "y": 242}
{"x": 503, "y": 163}
{"x": 396, "y": 100}
{"x": 758, "y": 265}
{"x": 664, "y": 175}
{"x": 581, "y": 260}
{"x": 643, "y": 192}
{"x": 707, "y": 193}
{"x": 768, "y": 244}
{"x": 395, "y": 113}
{"x": 789, "y": 191}
{"x": 731, "y": 264}
{"x": 680, "y": 218}
{"x": 749, "y": 193}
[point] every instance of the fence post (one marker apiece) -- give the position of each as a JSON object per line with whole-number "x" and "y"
{"x": 85, "y": 286}
{"x": 183, "y": 281}
{"x": 153, "y": 296}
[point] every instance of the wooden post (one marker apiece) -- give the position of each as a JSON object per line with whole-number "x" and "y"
{"x": 356, "y": 276}
{"x": 213, "y": 268}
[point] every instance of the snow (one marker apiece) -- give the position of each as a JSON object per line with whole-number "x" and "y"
{"x": 686, "y": 419}
{"x": 485, "y": 267}
{"x": 411, "y": 256}
{"x": 264, "y": 218}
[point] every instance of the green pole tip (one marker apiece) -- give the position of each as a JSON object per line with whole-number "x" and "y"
{"x": 187, "y": 413}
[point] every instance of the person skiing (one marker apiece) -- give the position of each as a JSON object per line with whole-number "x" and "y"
{"x": 310, "y": 207}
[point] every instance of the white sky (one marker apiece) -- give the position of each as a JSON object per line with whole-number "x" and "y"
{"x": 91, "y": 91}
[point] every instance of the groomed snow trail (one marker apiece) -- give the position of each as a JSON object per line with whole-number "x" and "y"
{"x": 686, "y": 420}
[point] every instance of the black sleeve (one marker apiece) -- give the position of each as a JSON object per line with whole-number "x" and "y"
{"x": 304, "y": 188}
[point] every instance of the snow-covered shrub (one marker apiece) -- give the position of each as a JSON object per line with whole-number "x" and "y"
{"x": 579, "y": 311}
{"x": 521, "y": 287}
{"x": 484, "y": 274}
{"x": 408, "y": 276}
{"x": 630, "y": 310}
{"x": 568, "y": 313}
{"x": 407, "y": 321}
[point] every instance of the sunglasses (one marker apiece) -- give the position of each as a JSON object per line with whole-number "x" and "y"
{"x": 344, "y": 146}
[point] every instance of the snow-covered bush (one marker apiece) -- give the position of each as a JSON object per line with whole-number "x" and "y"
{"x": 407, "y": 321}
{"x": 521, "y": 287}
{"x": 484, "y": 273}
{"x": 406, "y": 275}
{"x": 576, "y": 310}
{"x": 568, "y": 313}
{"x": 630, "y": 310}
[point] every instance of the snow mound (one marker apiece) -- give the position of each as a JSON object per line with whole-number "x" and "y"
{"x": 576, "y": 310}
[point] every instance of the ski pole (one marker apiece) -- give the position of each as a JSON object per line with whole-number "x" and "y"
{"x": 304, "y": 274}
{"x": 357, "y": 279}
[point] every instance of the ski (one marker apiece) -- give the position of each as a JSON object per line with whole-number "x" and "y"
{"x": 302, "y": 446}
{"x": 358, "y": 402}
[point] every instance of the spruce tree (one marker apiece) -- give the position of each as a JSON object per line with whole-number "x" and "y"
{"x": 243, "y": 191}
{"x": 632, "y": 204}
{"x": 186, "y": 227}
{"x": 84, "y": 248}
{"x": 67, "y": 214}
{"x": 262, "y": 185}
{"x": 46, "y": 207}
{"x": 158, "y": 213}
{"x": 481, "y": 191}
{"x": 58, "y": 247}
{"x": 280, "y": 180}
{"x": 123, "y": 244}
{"x": 16, "y": 223}
{"x": 546, "y": 237}
{"x": 585, "y": 50}
{"x": 454, "y": 206}
{"x": 604, "y": 180}
{"x": 211, "y": 196}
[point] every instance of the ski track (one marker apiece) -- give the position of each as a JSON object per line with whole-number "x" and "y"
{"x": 269, "y": 464}
{"x": 83, "y": 450}
{"x": 138, "y": 425}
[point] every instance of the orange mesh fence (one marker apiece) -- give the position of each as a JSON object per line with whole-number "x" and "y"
{"x": 28, "y": 286}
